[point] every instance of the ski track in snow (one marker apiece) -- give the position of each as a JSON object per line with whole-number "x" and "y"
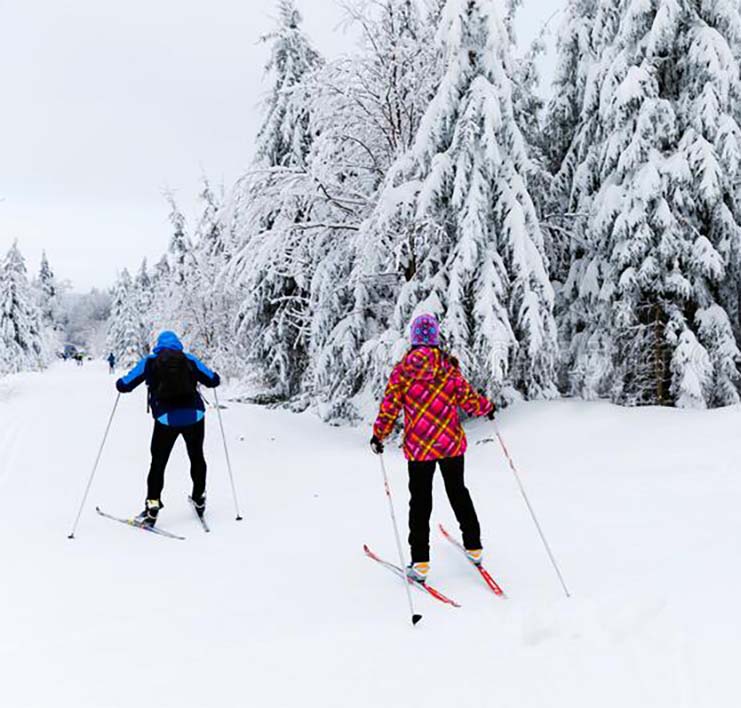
{"x": 282, "y": 609}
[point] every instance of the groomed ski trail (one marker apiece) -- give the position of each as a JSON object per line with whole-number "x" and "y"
{"x": 282, "y": 610}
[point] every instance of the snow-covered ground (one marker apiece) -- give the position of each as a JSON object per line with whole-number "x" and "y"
{"x": 642, "y": 508}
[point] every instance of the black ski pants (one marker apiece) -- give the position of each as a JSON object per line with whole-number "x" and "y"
{"x": 163, "y": 440}
{"x": 420, "y": 505}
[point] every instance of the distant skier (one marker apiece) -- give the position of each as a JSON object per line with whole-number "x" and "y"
{"x": 429, "y": 386}
{"x": 111, "y": 363}
{"x": 172, "y": 376}
{"x": 78, "y": 359}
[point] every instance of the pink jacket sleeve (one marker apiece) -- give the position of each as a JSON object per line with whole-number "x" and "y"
{"x": 390, "y": 405}
{"x": 472, "y": 402}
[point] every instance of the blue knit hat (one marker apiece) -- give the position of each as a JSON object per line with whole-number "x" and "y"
{"x": 425, "y": 331}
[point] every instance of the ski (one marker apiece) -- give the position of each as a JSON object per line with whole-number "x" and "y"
{"x": 423, "y": 587}
{"x": 198, "y": 516}
{"x": 143, "y": 527}
{"x": 483, "y": 572}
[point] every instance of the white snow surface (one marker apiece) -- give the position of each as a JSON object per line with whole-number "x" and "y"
{"x": 282, "y": 609}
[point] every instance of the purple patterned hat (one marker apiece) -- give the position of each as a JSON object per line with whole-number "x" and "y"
{"x": 425, "y": 331}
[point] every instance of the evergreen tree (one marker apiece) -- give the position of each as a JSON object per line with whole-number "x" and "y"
{"x": 654, "y": 263}
{"x": 125, "y": 323}
{"x": 22, "y": 345}
{"x": 180, "y": 246}
{"x": 269, "y": 265}
{"x": 173, "y": 292}
{"x": 212, "y": 240}
{"x": 457, "y": 224}
{"x": 562, "y": 137}
{"x": 144, "y": 281}
{"x": 143, "y": 299}
{"x": 161, "y": 288}
{"x": 48, "y": 290}
{"x": 362, "y": 131}
{"x": 161, "y": 271}
{"x": 284, "y": 138}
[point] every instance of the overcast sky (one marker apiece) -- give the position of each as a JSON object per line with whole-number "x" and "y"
{"x": 105, "y": 103}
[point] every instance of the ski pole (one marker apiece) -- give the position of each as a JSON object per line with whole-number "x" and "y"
{"x": 95, "y": 469}
{"x": 415, "y": 617}
{"x": 532, "y": 512}
{"x": 226, "y": 453}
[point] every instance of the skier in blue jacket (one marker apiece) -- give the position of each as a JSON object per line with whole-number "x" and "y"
{"x": 172, "y": 376}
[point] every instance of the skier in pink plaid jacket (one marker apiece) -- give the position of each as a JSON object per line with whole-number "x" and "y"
{"x": 430, "y": 388}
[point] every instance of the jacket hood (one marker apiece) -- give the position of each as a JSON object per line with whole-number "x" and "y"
{"x": 168, "y": 340}
{"x": 425, "y": 363}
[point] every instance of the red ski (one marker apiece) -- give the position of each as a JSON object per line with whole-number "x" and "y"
{"x": 493, "y": 585}
{"x": 424, "y": 587}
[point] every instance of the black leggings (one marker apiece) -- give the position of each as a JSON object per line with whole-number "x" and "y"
{"x": 420, "y": 505}
{"x": 163, "y": 440}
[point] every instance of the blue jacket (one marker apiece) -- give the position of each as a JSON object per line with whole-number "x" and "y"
{"x": 144, "y": 372}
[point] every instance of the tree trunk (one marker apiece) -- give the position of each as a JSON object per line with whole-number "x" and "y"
{"x": 659, "y": 355}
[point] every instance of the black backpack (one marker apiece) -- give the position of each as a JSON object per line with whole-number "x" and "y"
{"x": 173, "y": 379}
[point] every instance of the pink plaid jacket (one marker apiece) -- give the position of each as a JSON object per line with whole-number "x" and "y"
{"x": 430, "y": 388}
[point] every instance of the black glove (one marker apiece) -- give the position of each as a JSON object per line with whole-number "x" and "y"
{"x": 490, "y": 414}
{"x": 376, "y": 445}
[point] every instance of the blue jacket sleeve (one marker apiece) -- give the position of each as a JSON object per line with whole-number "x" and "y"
{"x": 130, "y": 381}
{"x": 204, "y": 375}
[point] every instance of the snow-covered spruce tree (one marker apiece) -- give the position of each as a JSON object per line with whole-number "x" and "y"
{"x": 49, "y": 296}
{"x": 370, "y": 108}
{"x": 284, "y": 138}
{"x": 269, "y": 267}
{"x": 528, "y": 106}
{"x": 161, "y": 271}
{"x": 161, "y": 275}
{"x": 456, "y": 224}
{"x": 46, "y": 285}
{"x": 173, "y": 290}
{"x": 654, "y": 272}
{"x": 572, "y": 122}
{"x": 180, "y": 246}
{"x": 143, "y": 298}
{"x": 22, "y": 343}
{"x": 125, "y": 323}
{"x": 161, "y": 310}
{"x": 577, "y": 56}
